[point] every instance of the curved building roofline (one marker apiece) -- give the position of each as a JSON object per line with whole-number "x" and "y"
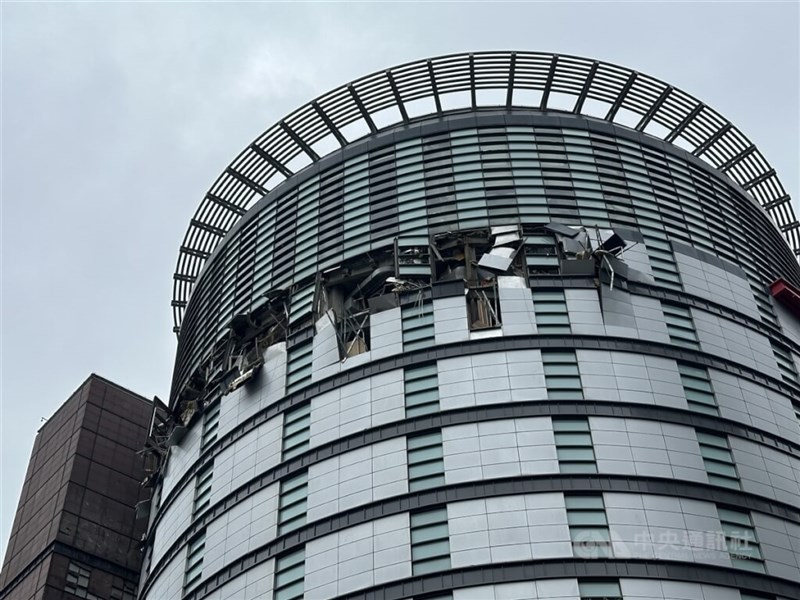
{"x": 470, "y": 80}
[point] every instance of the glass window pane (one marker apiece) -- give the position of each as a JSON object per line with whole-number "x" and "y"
{"x": 422, "y": 409}
{"x": 562, "y": 382}
{"x": 549, "y": 357}
{"x": 575, "y": 454}
{"x": 290, "y": 592}
{"x": 573, "y": 439}
{"x": 290, "y": 512}
{"x": 432, "y": 565}
{"x": 711, "y": 439}
{"x": 430, "y": 549}
{"x": 291, "y": 497}
{"x": 586, "y": 517}
{"x": 426, "y": 483}
{"x": 424, "y": 454}
{"x": 718, "y": 468}
{"x": 421, "y": 441}
{"x": 553, "y": 319}
{"x": 425, "y": 469}
{"x": 599, "y": 589}
{"x": 570, "y": 424}
{"x": 703, "y": 408}
{"x": 583, "y": 502}
{"x": 290, "y": 574}
{"x": 422, "y": 397}
{"x": 577, "y": 467}
{"x": 748, "y": 564}
{"x": 428, "y": 533}
{"x": 589, "y": 534}
{"x": 718, "y": 454}
{"x": 723, "y": 481}
{"x": 421, "y": 385}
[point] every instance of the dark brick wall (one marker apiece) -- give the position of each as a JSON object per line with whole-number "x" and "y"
{"x": 79, "y": 496}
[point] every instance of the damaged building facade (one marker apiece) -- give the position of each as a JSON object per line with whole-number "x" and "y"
{"x": 492, "y": 325}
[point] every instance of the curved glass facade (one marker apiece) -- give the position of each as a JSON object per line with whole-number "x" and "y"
{"x": 425, "y": 367}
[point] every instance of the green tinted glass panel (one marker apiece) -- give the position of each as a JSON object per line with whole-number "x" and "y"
{"x": 421, "y": 441}
{"x": 426, "y": 483}
{"x": 599, "y": 589}
{"x": 430, "y": 549}
{"x": 570, "y": 424}
{"x": 434, "y": 467}
{"x": 583, "y": 502}
{"x": 431, "y": 565}
{"x": 586, "y": 517}
{"x": 715, "y": 453}
{"x": 573, "y": 439}
{"x": 575, "y": 454}
{"x": 577, "y": 467}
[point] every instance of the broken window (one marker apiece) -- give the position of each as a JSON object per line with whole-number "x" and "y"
{"x": 412, "y": 257}
{"x": 483, "y": 307}
{"x": 558, "y": 249}
{"x": 478, "y": 257}
{"x": 541, "y": 255}
{"x": 165, "y": 431}
{"x": 239, "y": 356}
{"x": 547, "y": 247}
{"x": 343, "y": 293}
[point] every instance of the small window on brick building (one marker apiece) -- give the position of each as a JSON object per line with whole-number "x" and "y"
{"x": 123, "y": 591}
{"x": 78, "y": 576}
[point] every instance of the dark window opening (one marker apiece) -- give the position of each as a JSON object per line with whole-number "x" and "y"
{"x": 483, "y": 307}
{"x": 413, "y": 259}
{"x": 478, "y": 257}
{"x": 343, "y": 293}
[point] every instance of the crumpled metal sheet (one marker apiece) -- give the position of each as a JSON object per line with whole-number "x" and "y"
{"x": 498, "y": 258}
{"x": 506, "y": 234}
{"x": 610, "y": 240}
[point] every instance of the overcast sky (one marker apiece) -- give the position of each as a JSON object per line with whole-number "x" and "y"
{"x": 118, "y": 117}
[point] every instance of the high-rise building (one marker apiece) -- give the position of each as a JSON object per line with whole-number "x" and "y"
{"x": 75, "y": 534}
{"x": 491, "y": 325}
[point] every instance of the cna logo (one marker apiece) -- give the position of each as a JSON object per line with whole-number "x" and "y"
{"x": 594, "y": 543}
{"x": 675, "y": 544}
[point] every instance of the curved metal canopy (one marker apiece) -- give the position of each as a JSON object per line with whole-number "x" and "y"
{"x": 482, "y": 79}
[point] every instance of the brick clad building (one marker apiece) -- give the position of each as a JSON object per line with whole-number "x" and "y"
{"x": 75, "y": 534}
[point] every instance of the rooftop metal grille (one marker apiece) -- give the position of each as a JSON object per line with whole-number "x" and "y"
{"x": 482, "y": 79}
